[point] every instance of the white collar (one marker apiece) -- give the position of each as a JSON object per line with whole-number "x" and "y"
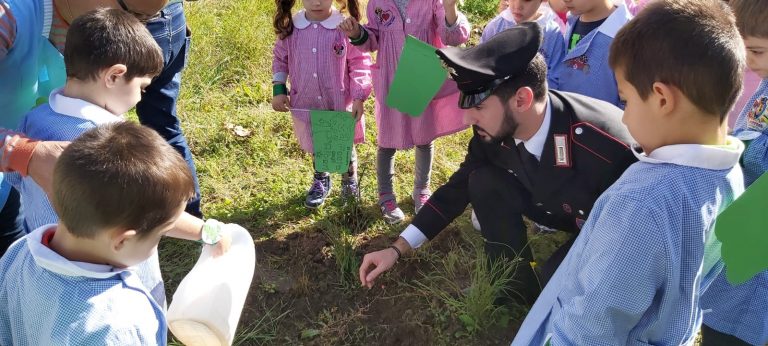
{"x": 545, "y": 15}
{"x": 80, "y": 109}
{"x": 50, "y": 260}
{"x": 535, "y": 144}
{"x": 300, "y": 20}
{"x": 507, "y": 15}
{"x": 697, "y": 155}
{"x": 615, "y": 21}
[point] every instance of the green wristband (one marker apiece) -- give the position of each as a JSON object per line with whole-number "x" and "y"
{"x": 360, "y": 40}
{"x": 279, "y": 89}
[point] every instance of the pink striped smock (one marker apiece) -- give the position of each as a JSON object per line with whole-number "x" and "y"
{"x": 387, "y": 30}
{"x": 326, "y": 72}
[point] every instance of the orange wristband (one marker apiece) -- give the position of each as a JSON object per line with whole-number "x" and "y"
{"x": 21, "y": 155}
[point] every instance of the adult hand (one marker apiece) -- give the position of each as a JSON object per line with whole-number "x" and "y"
{"x": 381, "y": 261}
{"x": 351, "y": 28}
{"x": 280, "y": 103}
{"x": 42, "y": 163}
{"x": 357, "y": 110}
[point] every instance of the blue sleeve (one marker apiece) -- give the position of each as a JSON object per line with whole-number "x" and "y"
{"x": 488, "y": 31}
{"x": 554, "y": 49}
{"x": 755, "y": 159}
{"x": 13, "y": 178}
{"x": 623, "y": 265}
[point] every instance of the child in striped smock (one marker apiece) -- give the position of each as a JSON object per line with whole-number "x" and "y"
{"x": 438, "y": 23}
{"x": 326, "y": 73}
{"x": 521, "y": 11}
{"x": 738, "y": 315}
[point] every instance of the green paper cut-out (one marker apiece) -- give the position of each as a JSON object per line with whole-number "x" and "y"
{"x": 418, "y": 78}
{"x": 332, "y": 136}
{"x": 743, "y": 230}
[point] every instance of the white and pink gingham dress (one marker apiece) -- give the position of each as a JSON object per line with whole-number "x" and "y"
{"x": 326, "y": 72}
{"x": 387, "y": 30}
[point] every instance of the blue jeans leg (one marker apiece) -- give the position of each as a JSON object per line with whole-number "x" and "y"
{"x": 157, "y": 108}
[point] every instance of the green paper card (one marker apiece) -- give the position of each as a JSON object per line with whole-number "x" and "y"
{"x": 418, "y": 78}
{"x": 743, "y": 230}
{"x": 332, "y": 136}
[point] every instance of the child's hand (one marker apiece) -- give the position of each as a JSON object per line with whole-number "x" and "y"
{"x": 351, "y": 27}
{"x": 357, "y": 110}
{"x": 450, "y": 11}
{"x": 280, "y": 103}
{"x": 224, "y": 243}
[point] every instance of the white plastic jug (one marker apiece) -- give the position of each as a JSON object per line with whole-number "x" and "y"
{"x": 206, "y": 306}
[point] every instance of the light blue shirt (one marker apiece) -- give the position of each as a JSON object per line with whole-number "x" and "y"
{"x": 553, "y": 44}
{"x": 635, "y": 272}
{"x": 46, "y": 299}
{"x": 64, "y": 119}
{"x": 585, "y": 70}
{"x": 742, "y": 311}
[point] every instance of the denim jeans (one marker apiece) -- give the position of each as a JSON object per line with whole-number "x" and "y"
{"x": 157, "y": 108}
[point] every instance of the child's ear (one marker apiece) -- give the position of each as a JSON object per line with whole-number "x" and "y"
{"x": 664, "y": 97}
{"x": 113, "y": 73}
{"x": 121, "y": 237}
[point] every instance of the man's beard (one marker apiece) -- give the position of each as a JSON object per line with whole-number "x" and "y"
{"x": 507, "y": 129}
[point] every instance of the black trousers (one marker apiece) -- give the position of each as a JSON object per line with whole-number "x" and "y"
{"x": 11, "y": 221}
{"x": 500, "y": 201}
{"x": 711, "y": 337}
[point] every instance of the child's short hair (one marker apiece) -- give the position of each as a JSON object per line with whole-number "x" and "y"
{"x": 119, "y": 175}
{"x": 751, "y": 17}
{"x": 105, "y": 37}
{"x": 691, "y": 44}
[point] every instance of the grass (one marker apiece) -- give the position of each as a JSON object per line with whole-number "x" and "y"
{"x": 306, "y": 290}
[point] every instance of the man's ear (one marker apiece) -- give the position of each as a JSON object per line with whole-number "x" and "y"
{"x": 523, "y": 99}
{"x": 113, "y": 73}
{"x": 664, "y": 98}
{"x": 121, "y": 237}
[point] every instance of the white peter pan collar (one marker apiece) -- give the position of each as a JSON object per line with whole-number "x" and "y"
{"x": 615, "y": 21}
{"x": 546, "y": 14}
{"x": 697, "y": 155}
{"x": 50, "y": 260}
{"x": 507, "y": 15}
{"x": 80, "y": 109}
{"x": 300, "y": 20}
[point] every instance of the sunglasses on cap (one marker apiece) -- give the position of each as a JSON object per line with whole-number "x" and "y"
{"x": 469, "y": 100}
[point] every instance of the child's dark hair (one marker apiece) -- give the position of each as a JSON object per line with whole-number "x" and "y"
{"x": 120, "y": 175}
{"x": 751, "y": 17}
{"x": 102, "y": 38}
{"x": 283, "y": 22}
{"x": 693, "y": 45}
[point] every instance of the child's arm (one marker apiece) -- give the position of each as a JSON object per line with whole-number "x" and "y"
{"x": 452, "y": 26}
{"x": 623, "y": 265}
{"x": 280, "y": 101}
{"x": 190, "y": 228}
{"x": 555, "y": 50}
{"x": 755, "y": 158}
{"x": 364, "y": 37}
{"x": 359, "y": 69}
